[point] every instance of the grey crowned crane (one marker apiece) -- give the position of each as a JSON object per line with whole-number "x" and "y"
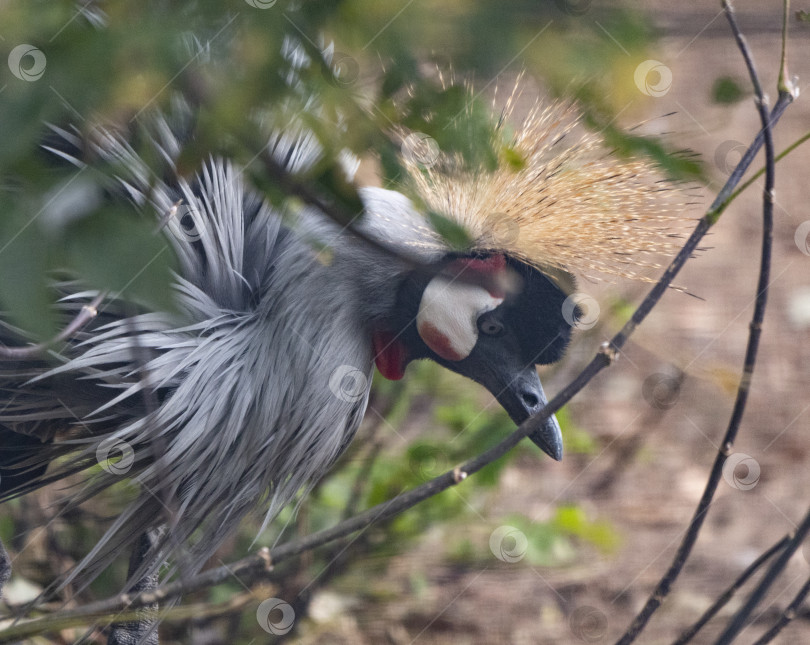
{"x": 253, "y": 387}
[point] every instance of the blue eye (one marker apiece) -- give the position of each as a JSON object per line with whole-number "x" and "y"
{"x": 490, "y": 325}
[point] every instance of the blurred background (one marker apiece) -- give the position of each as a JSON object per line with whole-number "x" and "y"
{"x": 526, "y": 551}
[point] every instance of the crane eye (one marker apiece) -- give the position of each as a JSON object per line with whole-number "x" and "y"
{"x": 490, "y": 325}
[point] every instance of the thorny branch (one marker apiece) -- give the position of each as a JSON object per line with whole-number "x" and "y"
{"x": 261, "y": 563}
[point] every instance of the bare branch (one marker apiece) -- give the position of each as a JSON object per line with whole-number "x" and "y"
{"x": 739, "y": 619}
{"x": 786, "y": 83}
{"x": 87, "y": 313}
{"x": 664, "y": 585}
{"x": 788, "y": 615}
{"x": 728, "y": 594}
{"x": 59, "y": 621}
{"x": 747, "y": 183}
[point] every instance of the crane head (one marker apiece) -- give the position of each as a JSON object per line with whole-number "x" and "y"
{"x": 489, "y": 318}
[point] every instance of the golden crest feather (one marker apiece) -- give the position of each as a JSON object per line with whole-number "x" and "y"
{"x": 571, "y": 206}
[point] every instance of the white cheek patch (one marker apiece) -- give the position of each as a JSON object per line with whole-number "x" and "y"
{"x": 448, "y": 316}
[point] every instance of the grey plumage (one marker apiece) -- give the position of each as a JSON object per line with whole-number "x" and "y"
{"x": 245, "y": 380}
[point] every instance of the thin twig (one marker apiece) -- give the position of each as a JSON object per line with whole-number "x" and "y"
{"x": 739, "y": 619}
{"x": 664, "y": 585}
{"x": 57, "y": 622}
{"x": 785, "y": 83}
{"x": 727, "y": 194}
{"x": 747, "y": 183}
{"x": 259, "y": 562}
{"x": 87, "y": 313}
{"x": 788, "y": 615}
{"x": 728, "y": 594}
{"x": 350, "y": 223}
{"x": 362, "y": 478}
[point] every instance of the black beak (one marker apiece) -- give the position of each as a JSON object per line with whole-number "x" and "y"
{"x": 549, "y": 437}
{"x": 522, "y": 398}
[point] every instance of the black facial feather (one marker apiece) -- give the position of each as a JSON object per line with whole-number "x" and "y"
{"x": 536, "y": 317}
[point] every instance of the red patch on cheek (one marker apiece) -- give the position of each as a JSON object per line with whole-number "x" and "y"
{"x": 390, "y": 355}
{"x": 438, "y": 342}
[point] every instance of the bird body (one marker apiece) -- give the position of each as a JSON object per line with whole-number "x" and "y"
{"x": 247, "y": 377}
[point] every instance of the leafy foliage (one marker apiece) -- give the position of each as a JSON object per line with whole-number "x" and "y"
{"x": 374, "y": 76}
{"x": 114, "y": 63}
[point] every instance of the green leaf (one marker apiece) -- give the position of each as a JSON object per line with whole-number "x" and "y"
{"x": 576, "y": 441}
{"x": 24, "y": 263}
{"x": 451, "y": 232}
{"x": 113, "y": 250}
{"x": 574, "y": 520}
{"x": 513, "y": 158}
{"x": 727, "y": 90}
{"x": 7, "y": 526}
{"x": 546, "y": 543}
{"x": 678, "y": 166}
{"x": 621, "y": 310}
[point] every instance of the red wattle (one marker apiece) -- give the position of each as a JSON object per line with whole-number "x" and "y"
{"x": 390, "y": 354}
